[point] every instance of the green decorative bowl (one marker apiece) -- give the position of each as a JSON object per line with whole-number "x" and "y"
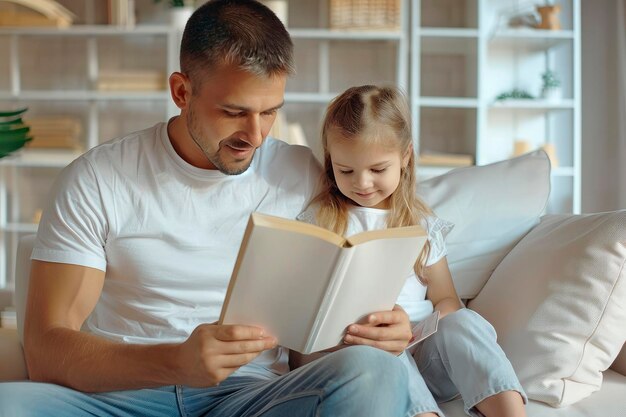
{"x": 14, "y": 134}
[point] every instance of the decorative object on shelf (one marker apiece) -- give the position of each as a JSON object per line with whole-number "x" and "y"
{"x": 365, "y": 14}
{"x": 14, "y": 133}
{"x": 550, "y": 149}
{"x": 521, "y": 147}
{"x": 549, "y": 17}
{"x": 35, "y": 13}
{"x": 551, "y": 87}
{"x": 180, "y": 12}
{"x": 279, "y": 7}
{"x": 515, "y": 94}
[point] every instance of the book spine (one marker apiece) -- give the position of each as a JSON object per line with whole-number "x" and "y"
{"x": 343, "y": 261}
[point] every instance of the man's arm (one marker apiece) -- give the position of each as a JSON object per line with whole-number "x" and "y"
{"x": 60, "y": 298}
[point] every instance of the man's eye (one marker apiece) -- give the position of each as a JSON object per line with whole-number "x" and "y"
{"x": 233, "y": 114}
{"x": 269, "y": 113}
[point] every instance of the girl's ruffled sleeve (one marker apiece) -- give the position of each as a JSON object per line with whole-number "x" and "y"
{"x": 437, "y": 230}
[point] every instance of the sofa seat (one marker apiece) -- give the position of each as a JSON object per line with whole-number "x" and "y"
{"x": 610, "y": 401}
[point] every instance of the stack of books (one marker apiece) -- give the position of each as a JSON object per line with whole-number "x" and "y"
{"x": 55, "y": 132}
{"x": 14, "y": 133}
{"x": 131, "y": 80}
{"x": 429, "y": 158}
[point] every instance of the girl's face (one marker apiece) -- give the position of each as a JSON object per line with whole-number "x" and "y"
{"x": 365, "y": 173}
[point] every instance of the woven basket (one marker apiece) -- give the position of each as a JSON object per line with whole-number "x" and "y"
{"x": 365, "y": 14}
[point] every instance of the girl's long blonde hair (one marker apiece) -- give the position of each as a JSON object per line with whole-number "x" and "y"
{"x": 363, "y": 113}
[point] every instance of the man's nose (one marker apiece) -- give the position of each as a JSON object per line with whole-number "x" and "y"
{"x": 254, "y": 135}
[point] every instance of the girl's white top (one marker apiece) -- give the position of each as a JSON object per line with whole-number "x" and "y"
{"x": 413, "y": 295}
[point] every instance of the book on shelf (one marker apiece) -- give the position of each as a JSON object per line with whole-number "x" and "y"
{"x": 428, "y": 158}
{"x": 305, "y": 284}
{"x": 55, "y": 132}
{"x": 131, "y": 80}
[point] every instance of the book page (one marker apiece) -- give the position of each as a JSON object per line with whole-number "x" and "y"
{"x": 424, "y": 328}
{"x": 280, "y": 283}
{"x": 373, "y": 281}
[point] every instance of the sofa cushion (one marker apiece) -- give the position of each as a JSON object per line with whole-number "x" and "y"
{"x": 557, "y": 303}
{"x": 493, "y": 207}
{"x": 620, "y": 363}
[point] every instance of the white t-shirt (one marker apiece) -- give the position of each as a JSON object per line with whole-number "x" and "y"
{"x": 166, "y": 233}
{"x": 412, "y": 298}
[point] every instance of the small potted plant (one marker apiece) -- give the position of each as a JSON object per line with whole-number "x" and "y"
{"x": 551, "y": 88}
{"x": 180, "y": 11}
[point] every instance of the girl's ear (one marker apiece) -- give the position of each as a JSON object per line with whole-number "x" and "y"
{"x": 407, "y": 156}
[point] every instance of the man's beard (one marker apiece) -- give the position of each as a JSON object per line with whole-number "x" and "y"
{"x": 214, "y": 158}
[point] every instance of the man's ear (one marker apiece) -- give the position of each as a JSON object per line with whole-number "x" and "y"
{"x": 180, "y": 89}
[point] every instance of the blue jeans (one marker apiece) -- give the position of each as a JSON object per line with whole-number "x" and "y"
{"x": 355, "y": 381}
{"x": 462, "y": 357}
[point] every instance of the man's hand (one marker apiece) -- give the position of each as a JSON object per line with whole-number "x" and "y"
{"x": 387, "y": 330}
{"x": 213, "y": 352}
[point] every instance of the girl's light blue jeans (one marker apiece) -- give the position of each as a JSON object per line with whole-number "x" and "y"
{"x": 462, "y": 357}
{"x": 355, "y": 381}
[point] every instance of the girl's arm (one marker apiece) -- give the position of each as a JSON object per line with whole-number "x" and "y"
{"x": 441, "y": 290}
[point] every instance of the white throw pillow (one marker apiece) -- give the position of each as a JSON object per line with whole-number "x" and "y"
{"x": 557, "y": 303}
{"x": 492, "y": 207}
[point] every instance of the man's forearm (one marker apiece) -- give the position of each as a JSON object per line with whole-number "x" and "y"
{"x": 86, "y": 362}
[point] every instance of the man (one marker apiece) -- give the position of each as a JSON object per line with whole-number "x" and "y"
{"x": 139, "y": 241}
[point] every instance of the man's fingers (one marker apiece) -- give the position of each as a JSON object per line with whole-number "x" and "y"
{"x": 237, "y": 360}
{"x": 229, "y": 333}
{"x": 248, "y": 346}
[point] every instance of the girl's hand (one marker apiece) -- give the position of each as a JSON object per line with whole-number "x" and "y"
{"x": 386, "y": 330}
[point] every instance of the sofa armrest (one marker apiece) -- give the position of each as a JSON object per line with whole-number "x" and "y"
{"x": 12, "y": 363}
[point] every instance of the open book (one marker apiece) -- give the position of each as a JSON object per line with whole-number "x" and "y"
{"x": 305, "y": 284}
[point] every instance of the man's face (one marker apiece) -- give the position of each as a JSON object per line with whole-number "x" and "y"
{"x": 229, "y": 115}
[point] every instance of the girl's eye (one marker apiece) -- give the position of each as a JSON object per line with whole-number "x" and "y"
{"x": 345, "y": 172}
{"x": 378, "y": 171}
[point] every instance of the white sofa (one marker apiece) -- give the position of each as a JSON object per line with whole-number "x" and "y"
{"x": 501, "y": 241}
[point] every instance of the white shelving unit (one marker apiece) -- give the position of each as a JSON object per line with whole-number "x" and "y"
{"x": 379, "y": 56}
{"x": 462, "y": 57}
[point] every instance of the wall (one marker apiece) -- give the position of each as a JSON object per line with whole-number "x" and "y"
{"x": 599, "y": 107}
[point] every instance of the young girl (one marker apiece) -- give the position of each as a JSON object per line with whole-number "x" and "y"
{"x": 369, "y": 183}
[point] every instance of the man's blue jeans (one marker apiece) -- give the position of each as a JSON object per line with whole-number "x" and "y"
{"x": 355, "y": 381}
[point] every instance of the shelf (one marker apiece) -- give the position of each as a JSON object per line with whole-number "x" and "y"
{"x": 20, "y": 227}
{"x": 77, "y": 95}
{"x": 40, "y": 158}
{"x": 441, "y": 45}
{"x": 447, "y": 102}
{"x": 562, "y": 172}
{"x": 86, "y": 30}
{"x": 531, "y": 38}
{"x": 347, "y": 35}
{"x": 534, "y": 104}
{"x": 448, "y": 33}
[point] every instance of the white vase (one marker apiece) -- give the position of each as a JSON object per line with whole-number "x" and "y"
{"x": 552, "y": 94}
{"x": 180, "y": 15}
